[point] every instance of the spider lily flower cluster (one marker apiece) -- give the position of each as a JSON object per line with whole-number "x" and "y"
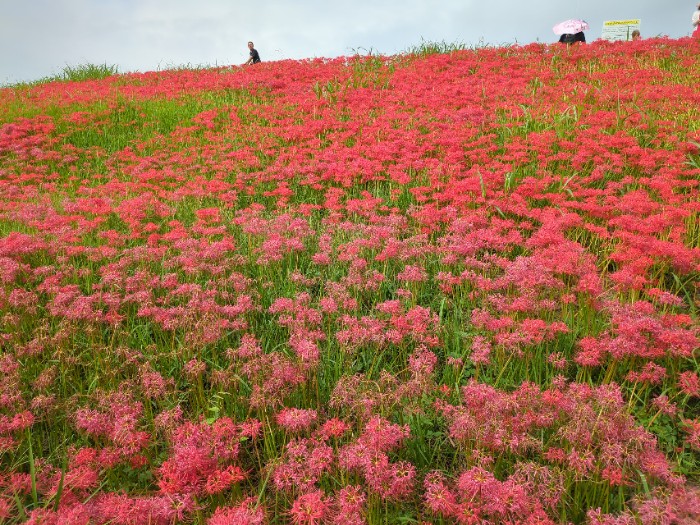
{"x": 456, "y": 287}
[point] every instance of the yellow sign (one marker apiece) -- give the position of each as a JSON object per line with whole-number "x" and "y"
{"x": 632, "y": 22}
{"x": 620, "y": 29}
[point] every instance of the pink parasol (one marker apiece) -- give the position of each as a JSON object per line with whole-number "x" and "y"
{"x": 570, "y": 27}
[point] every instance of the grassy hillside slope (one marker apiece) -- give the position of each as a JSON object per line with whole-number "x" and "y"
{"x": 453, "y": 287}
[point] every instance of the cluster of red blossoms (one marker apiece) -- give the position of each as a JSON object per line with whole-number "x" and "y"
{"x": 456, "y": 287}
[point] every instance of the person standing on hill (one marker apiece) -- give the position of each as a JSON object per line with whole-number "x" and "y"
{"x": 696, "y": 22}
{"x": 572, "y": 38}
{"x": 254, "y": 55}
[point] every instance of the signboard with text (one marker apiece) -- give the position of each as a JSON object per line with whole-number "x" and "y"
{"x": 620, "y": 29}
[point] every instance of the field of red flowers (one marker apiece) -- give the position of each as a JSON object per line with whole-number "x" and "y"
{"x": 455, "y": 287}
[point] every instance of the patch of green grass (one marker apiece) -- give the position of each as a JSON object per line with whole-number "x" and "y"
{"x": 431, "y": 47}
{"x": 77, "y": 73}
{"x": 87, "y": 72}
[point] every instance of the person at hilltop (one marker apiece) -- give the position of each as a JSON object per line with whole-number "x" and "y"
{"x": 636, "y": 35}
{"x": 696, "y": 22}
{"x": 571, "y": 38}
{"x": 254, "y": 55}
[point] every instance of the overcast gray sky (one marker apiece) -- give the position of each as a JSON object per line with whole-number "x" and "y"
{"x": 39, "y": 38}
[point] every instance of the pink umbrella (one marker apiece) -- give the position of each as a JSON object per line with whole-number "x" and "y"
{"x": 570, "y": 27}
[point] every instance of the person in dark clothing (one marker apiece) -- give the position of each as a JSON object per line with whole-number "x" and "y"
{"x": 254, "y": 55}
{"x": 570, "y": 38}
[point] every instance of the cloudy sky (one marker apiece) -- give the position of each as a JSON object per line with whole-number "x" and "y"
{"x": 39, "y": 38}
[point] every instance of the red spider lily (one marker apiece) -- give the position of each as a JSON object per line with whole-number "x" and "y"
{"x": 394, "y": 246}
{"x": 309, "y": 509}
{"x": 201, "y": 458}
{"x": 305, "y": 460}
{"x": 294, "y": 419}
{"x": 245, "y": 513}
